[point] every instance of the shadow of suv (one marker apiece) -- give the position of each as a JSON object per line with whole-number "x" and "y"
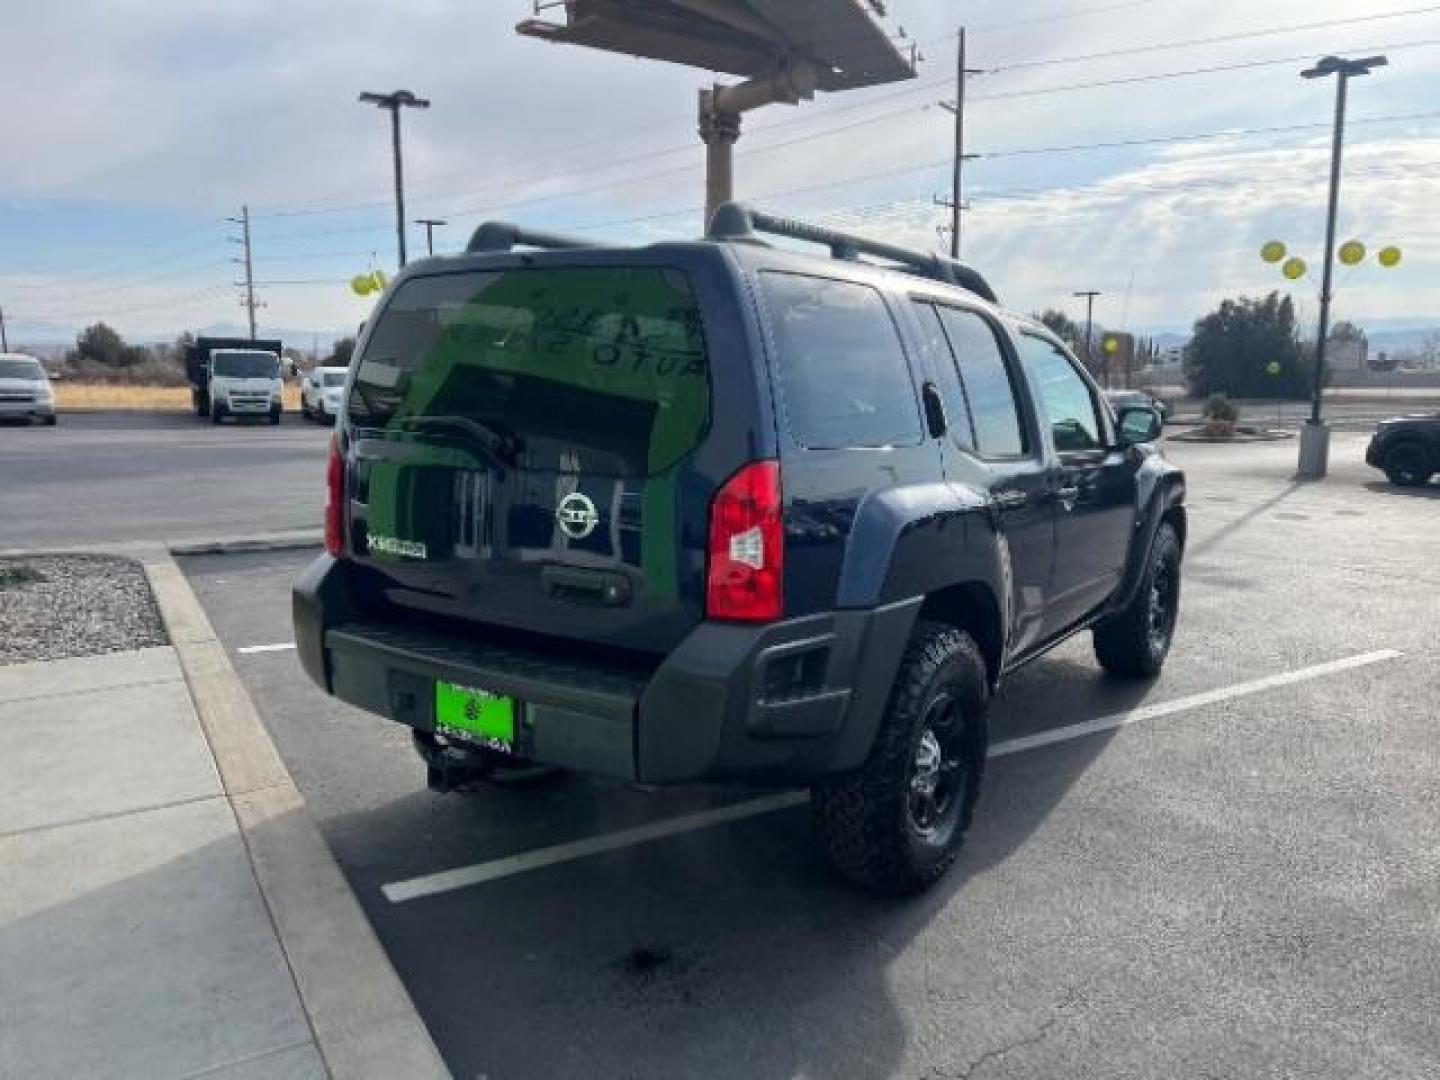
{"x": 726, "y": 511}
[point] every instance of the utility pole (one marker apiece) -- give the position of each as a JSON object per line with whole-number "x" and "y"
{"x": 430, "y": 225}
{"x": 4, "y": 341}
{"x": 956, "y": 202}
{"x": 400, "y": 99}
{"x": 1315, "y": 437}
{"x": 1090, "y": 295}
{"x": 248, "y": 303}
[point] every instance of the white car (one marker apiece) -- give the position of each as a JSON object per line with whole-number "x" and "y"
{"x": 25, "y": 390}
{"x": 321, "y": 392}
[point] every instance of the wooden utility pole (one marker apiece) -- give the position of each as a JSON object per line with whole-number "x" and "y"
{"x": 248, "y": 303}
{"x": 956, "y": 202}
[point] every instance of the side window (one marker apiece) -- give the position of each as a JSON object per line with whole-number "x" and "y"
{"x": 844, "y": 377}
{"x": 1065, "y": 399}
{"x": 936, "y": 347}
{"x": 988, "y": 385}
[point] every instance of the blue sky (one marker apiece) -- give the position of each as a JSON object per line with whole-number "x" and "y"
{"x": 124, "y": 159}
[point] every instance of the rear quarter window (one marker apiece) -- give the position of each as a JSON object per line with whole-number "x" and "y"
{"x": 844, "y": 379}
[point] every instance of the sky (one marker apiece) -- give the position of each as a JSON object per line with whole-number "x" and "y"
{"x": 135, "y": 128}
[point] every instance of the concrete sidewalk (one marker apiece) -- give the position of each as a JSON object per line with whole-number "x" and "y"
{"x": 134, "y": 940}
{"x": 168, "y": 907}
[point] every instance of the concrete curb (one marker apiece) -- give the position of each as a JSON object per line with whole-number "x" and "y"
{"x": 292, "y": 540}
{"x": 365, "y": 1025}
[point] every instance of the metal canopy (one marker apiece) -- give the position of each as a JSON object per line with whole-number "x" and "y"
{"x": 751, "y": 38}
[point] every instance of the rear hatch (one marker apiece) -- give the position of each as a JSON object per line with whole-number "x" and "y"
{"x": 529, "y": 449}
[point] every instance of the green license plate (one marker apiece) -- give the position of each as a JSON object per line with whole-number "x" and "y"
{"x": 477, "y": 716}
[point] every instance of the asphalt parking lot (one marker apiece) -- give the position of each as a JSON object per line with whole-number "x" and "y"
{"x": 1234, "y": 871}
{"x": 116, "y": 477}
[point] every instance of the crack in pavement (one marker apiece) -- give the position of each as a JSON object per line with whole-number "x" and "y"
{"x": 1037, "y": 1036}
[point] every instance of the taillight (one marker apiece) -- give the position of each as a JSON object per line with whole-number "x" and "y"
{"x": 747, "y": 553}
{"x": 335, "y": 501}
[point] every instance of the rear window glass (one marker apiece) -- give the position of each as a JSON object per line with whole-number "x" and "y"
{"x": 844, "y": 379}
{"x": 334, "y": 378}
{"x": 595, "y": 370}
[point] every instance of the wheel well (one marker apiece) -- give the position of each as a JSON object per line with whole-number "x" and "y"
{"x": 1179, "y": 521}
{"x": 1412, "y": 442}
{"x": 972, "y": 608}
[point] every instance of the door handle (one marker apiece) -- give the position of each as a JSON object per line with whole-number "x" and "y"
{"x": 1010, "y": 500}
{"x": 1068, "y": 496}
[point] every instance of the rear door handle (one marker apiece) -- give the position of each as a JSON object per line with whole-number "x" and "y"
{"x": 1010, "y": 500}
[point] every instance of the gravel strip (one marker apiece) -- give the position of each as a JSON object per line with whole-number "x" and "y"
{"x": 56, "y": 606}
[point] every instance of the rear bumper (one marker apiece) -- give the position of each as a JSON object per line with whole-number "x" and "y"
{"x": 787, "y": 702}
{"x": 1373, "y": 453}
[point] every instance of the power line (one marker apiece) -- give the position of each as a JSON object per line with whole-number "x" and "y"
{"x": 1218, "y": 39}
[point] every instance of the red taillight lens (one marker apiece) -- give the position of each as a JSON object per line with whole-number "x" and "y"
{"x": 744, "y": 581}
{"x": 335, "y": 501}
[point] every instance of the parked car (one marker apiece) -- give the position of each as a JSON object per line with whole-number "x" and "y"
{"x": 1121, "y": 399}
{"x": 1407, "y": 448}
{"x": 722, "y": 511}
{"x": 25, "y": 390}
{"x": 321, "y": 391}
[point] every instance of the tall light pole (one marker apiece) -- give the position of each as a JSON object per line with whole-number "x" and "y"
{"x": 430, "y": 225}
{"x": 400, "y": 99}
{"x": 1090, "y": 295}
{"x": 1315, "y": 438}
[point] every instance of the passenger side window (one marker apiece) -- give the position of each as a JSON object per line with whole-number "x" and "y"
{"x": 987, "y": 384}
{"x": 936, "y": 347}
{"x": 844, "y": 378}
{"x": 1065, "y": 399}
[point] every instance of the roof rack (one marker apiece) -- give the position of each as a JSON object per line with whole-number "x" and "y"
{"x": 737, "y": 222}
{"x": 500, "y": 236}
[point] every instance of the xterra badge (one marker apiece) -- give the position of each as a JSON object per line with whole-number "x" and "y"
{"x": 577, "y": 516}
{"x": 402, "y": 549}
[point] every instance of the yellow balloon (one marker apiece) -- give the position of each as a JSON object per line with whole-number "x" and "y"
{"x": 1273, "y": 252}
{"x": 1294, "y": 269}
{"x": 379, "y": 280}
{"x": 361, "y": 285}
{"x": 1389, "y": 257}
{"x": 1111, "y": 345}
{"x": 1352, "y": 253}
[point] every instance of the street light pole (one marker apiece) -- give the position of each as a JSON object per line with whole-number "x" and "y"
{"x": 400, "y": 99}
{"x": 1315, "y": 438}
{"x": 1090, "y": 295}
{"x": 430, "y": 224}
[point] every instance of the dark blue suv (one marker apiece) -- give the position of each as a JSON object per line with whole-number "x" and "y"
{"x": 723, "y": 510}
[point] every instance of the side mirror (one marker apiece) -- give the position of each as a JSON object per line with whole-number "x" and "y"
{"x": 1139, "y": 424}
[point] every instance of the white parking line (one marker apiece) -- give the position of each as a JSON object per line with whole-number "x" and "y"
{"x": 465, "y": 876}
{"x": 282, "y": 646}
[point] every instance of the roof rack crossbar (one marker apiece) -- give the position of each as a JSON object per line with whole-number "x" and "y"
{"x": 736, "y": 221}
{"x": 501, "y": 236}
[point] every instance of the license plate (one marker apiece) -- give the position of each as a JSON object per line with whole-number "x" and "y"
{"x": 476, "y": 716}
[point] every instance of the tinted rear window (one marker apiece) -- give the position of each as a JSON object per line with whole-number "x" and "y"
{"x": 844, "y": 378}
{"x": 595, "y": 370}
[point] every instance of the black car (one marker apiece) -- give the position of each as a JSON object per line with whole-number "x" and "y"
{"x": 1407, "y": 449}
{"x": 1124, "y": 399}
{"x": 722, "y": 511}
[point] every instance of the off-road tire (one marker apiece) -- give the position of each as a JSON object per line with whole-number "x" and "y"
{"x": 864, "y": 821}
{"x": 305, "y": 413}
{"x": 1408, "y": 465}
{"x": 275, "y": 416}
{"x": 1125, "y": 645}
{"x": 51, "y": 420}
{"x": 217, "y": 414}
